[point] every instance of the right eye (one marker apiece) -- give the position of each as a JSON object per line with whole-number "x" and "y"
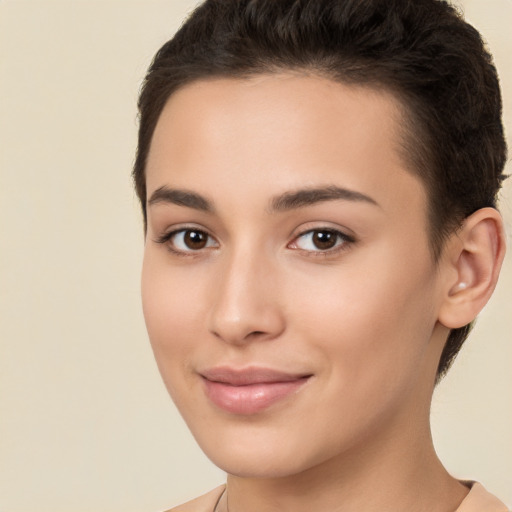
{"x": 188, "y": 240}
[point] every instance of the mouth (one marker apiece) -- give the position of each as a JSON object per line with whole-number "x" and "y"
{"x": 249, "y": 391}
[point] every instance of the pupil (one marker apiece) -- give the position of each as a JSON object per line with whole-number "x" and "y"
{"x": 324, "y": 239}
{"x": 195, "y": 239}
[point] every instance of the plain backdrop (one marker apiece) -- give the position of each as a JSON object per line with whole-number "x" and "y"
{"x": 85, "y": 423}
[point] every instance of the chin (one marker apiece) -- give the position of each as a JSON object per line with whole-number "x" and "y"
{"x": 258, "y": 467}
{"x": 259, "y": 456}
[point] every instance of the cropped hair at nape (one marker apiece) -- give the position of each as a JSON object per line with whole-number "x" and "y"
{"x": 422, "y": 51}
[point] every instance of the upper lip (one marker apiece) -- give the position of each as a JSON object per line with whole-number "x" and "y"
{"x": 251, "y": 375}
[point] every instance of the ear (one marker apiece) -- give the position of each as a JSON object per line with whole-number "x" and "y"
{"x": 474, "y": 257}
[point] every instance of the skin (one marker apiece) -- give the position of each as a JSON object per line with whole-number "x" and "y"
{"x": 363, "y": 318}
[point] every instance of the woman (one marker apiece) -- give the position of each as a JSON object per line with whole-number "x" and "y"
{"x": 318, "y": 182}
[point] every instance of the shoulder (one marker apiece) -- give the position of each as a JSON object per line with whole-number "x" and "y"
{"x": 480, "y": 500}
{"x": 205, "y": 503}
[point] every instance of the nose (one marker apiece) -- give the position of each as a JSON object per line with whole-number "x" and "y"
{"x": 246, "y": 303}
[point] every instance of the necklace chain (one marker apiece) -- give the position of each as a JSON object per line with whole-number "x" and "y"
{"x": 216, "y": 508}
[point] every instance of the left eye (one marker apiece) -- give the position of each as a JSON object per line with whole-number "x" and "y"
{"x": 320, "y": 240}
{"x": 187, "y": 240}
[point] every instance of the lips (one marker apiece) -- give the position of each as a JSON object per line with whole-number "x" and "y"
{"x": 250, "y": 390}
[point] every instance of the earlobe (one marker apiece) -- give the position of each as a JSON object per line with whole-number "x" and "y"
{"x": 476, "y": 258}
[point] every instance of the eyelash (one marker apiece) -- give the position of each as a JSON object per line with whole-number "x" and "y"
{"x": 343, "y": 242}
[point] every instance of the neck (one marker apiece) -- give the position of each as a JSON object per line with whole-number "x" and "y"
{"x": 402, "y": 479}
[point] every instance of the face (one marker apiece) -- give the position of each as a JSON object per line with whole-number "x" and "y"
{"x": 288, "y": 286}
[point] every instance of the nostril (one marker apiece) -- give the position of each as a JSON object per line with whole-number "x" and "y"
{"x": 238, "y": 316}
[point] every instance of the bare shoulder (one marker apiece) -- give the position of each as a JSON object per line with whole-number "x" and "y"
{"x": 204, "y": 503}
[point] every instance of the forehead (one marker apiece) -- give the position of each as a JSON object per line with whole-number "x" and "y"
{"x": 270, "y": 133}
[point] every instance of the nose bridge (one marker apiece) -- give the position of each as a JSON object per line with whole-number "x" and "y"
{"x": 245, "y": 302}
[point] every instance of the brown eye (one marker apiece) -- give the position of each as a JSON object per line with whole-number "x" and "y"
{"x": 185, "y": 241}
{"x": 324, "y": 240}
{"x": 195, "y": 240}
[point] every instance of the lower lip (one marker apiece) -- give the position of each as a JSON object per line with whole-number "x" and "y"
{"x": 251, "y": 398}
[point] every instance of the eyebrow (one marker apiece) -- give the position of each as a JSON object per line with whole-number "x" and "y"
{"x": 306, "y": 197}
{"x": 181, "y": 198}
{"x": 281, "y": 203}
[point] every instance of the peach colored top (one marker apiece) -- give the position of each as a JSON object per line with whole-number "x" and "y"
{"x": 478, "y": 500}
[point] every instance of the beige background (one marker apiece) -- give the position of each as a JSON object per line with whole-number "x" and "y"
{"x": 85, "y": 424}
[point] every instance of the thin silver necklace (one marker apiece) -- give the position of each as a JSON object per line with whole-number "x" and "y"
{"x": 215, "y": 509}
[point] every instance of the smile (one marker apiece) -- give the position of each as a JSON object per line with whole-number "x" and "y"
{"x": 249, "y": 391}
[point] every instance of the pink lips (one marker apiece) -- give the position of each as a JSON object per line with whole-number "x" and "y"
{"x": 251, "y": 390}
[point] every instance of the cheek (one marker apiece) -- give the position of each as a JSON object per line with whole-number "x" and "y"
{"x": 170, "y": 307}
{"x": 373, "y": 326}
{"x": 370, "y": 338}
{"x": 169, "y": 295}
